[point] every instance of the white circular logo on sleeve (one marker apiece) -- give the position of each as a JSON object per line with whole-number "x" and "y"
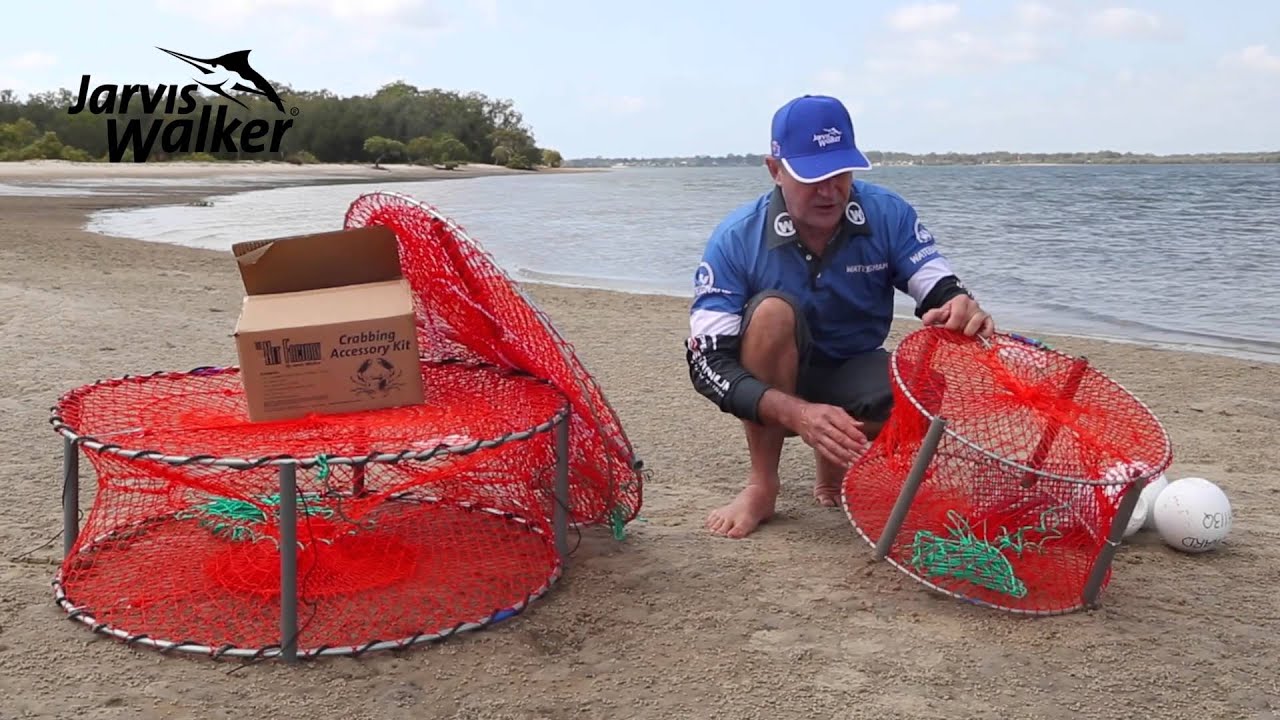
{"x": 703, "y": 278}
{"x": 922, "y": 233}
{"x": 853, "y": 211}
{"x": 783, "y": 225}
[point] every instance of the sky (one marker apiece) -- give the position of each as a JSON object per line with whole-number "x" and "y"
{"x": 689, "y": 77}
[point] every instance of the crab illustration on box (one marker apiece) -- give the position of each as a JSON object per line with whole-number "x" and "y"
{"x": 376, "y": 375}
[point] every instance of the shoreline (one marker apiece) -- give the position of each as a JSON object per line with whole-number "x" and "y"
{"x": 900, "y": 316}
{"x": 232, "y": 177}
{"x": 171, "y": 195}
{"x": 701, "y": 622}
{"x": 223, "y": 178}
{"x": 265, "y": 173}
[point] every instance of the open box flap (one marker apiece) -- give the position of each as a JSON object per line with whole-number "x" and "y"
{"x": 317, "y": 261}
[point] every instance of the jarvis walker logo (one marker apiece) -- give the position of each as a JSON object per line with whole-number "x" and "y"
{"x": 210, "y": 133}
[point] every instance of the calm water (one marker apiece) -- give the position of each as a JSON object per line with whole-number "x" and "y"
{"x": 1179, "y": 255}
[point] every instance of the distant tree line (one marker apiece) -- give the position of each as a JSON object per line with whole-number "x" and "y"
{"x": 399, "y": 123}
{"x": 1103, "y": 157}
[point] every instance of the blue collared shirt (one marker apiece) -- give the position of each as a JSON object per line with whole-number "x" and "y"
{"x": 846, "y": 295}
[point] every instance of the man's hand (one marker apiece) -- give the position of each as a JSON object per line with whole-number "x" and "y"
{"x": 962, "y": 313}
{"x": 831, "y": 431}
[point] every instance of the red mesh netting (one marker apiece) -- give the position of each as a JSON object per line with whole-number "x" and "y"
{"x": 468, "y": 307}
{"x": 399, "y": 549}
{"x": 1020, "y": 496}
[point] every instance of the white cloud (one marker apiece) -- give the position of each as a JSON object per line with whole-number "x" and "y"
{"x": 914, "y": 18}
{"x": 357, "y": 16}
{"x": 414, "y": 13}
{"x": 1034, "y": 15}
{"x": 302, "y": 37}
{"x": 939, "y": 42}
{"x": 961, "y": 51}
{"x": 1125, "y": 22}
{"x": 1141, "y": 110}
{"x": 838, "y": 84}
{"x": 16, "y": 67}
{"x": 487, "y": 9}
{"x": 229, "y": 12}
{"x": 1255, "y": 58}
{"x": 618, "y": 104}
{"x": 942, "y": 43}
{"x": 29, "y": 61}
{"x": 827, "y": 81}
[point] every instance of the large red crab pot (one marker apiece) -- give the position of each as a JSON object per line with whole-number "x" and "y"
{"x": 1006, "y": 473}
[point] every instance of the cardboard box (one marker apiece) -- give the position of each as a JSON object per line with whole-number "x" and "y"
{"x": 327, "y": 325}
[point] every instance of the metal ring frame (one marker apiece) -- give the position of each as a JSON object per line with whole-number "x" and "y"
{"x": 938, "y": 427}
{"x": 1157, "y": 469}
{"x": 287, "y": 469}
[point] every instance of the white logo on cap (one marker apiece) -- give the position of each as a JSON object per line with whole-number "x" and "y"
{"x": 776, "y": 148}
{"x": 854, "y": 212}
{"x": 783, "y": 225}
{"x": 922, "y": 233}
{"x": 828, "y": 136}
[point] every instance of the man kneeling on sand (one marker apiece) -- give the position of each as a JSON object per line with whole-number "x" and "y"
{"x": 793, "y": 301}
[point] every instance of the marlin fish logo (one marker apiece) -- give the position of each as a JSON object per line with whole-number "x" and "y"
{"x": 235, "y": 63}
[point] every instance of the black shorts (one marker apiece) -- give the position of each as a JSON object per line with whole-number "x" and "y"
{"x": 859, "y": 384}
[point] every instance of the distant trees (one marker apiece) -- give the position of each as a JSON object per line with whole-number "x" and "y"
{"x": 399, "y": 123}
{"x": 999, "y": 157}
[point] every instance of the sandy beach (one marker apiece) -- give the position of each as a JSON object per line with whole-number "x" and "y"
{"x": 796, "y": 621}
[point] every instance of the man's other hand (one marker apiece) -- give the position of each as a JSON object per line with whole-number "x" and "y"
{"x": 831, "y": 431}
{"x": 962, "y": 313}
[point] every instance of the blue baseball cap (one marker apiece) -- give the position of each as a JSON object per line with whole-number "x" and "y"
{"x": 813, "y": 137}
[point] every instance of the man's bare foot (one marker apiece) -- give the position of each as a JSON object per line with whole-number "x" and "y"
{"x": 827, "y": 492}
{"x": 753, "y": 506}
{"x": 830, "y": 481}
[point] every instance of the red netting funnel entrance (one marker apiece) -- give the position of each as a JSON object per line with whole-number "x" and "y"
{"x": 468, "y": 307}
{"x": 410, "y": 524}
{"x": 1019, "y": 506}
